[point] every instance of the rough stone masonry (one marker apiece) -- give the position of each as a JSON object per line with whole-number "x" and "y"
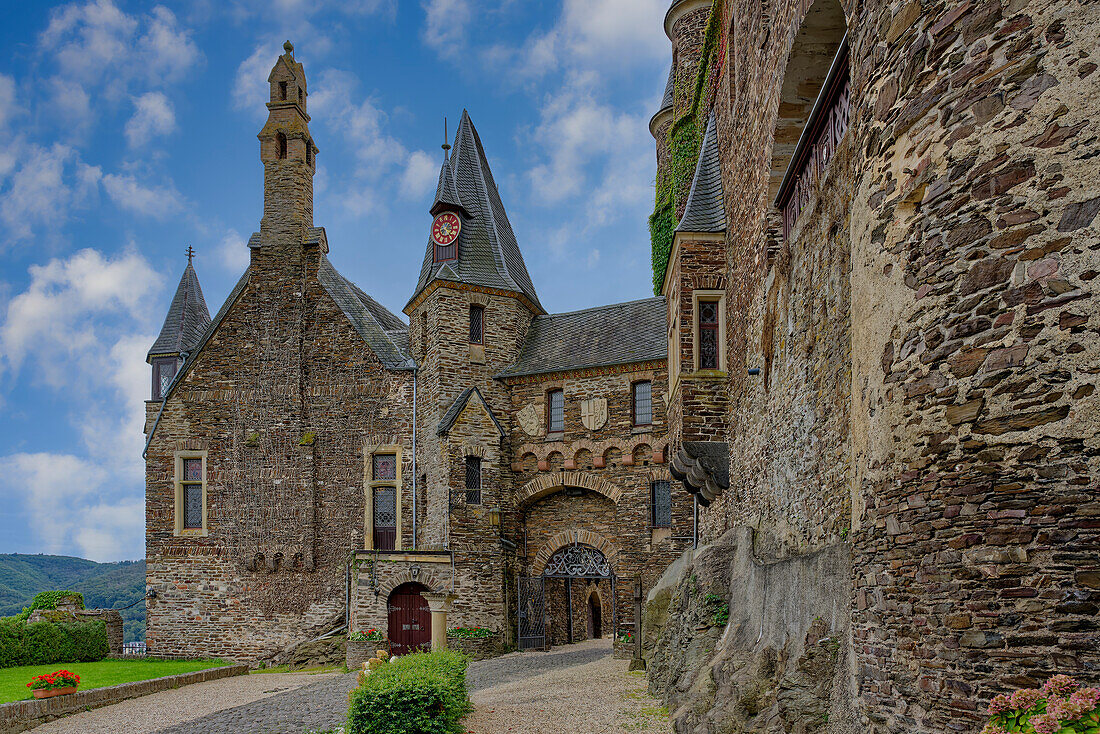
{"x": 912, "y": 359}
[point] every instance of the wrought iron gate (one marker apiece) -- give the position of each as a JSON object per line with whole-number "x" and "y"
{"x": 532, "y": 612}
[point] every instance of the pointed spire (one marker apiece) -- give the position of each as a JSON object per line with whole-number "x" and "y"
{"x": 446, "y": 194}
{"x": 705, "y": 210}
{"x": 488, "y": 254}
{"x": 187, "y": 319}
{"x": 670, "y": 86}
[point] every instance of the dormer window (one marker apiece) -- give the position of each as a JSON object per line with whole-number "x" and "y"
{"x": 282, "y": 91}
{"x": 164, "y": 371}
{"x": 280, "y": 146}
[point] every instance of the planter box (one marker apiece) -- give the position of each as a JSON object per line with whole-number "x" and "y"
{"x": 478, "y": 648}
{"x": 44, "y": 693}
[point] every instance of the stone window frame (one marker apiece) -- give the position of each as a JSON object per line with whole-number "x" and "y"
{"x": 708, "y": 296}
{"x": 369, "y": 485}
{"x": 160, "y": 390}
{"x": 178, "y": 509}
{"x": 550, "y": 433}
{"x": 634, "y": 403}
{"x": 653, "y": 501}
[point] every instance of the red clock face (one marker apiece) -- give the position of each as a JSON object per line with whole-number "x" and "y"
{"x": 445, "y": 228}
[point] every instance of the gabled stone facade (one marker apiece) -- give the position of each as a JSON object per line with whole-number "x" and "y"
{"x": 306, "y": 421}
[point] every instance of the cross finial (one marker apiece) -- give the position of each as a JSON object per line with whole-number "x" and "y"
{"x": 446, "y": 145}
{"x": 190, "y": 254}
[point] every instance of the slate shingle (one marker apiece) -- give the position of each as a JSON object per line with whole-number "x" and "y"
{"x": 706, "y": 209}
{"x": 385, "y": 334}
{"x": 459, "y": 405}
{"x": 488, "y": 254}
{"x": 621, "y": 333}
{"x": 667, "y": 101}
{"x": 187, "y": 319}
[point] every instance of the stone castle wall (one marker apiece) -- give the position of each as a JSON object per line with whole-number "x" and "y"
{"x": 927, "y": 342}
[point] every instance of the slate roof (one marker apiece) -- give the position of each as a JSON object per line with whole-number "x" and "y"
{"x": 187, "y": 319}
{"x": 488, "y": 254}
{"x": 446, "y": 193}
{"x": 705, "y": 210}
{"x": 667, "y": 101}
{"x": 386, "y": 334}
{"x": 621, "y": 333}
{"x": 459, "y": 405}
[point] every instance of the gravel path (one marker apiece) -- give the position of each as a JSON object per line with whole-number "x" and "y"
{"x": 152, "y": 712}
{"x": 580, "y": 684}
{"x": 597, "y": 697}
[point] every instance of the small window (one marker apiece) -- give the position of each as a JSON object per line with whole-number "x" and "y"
{"x": 473, "y": 480}
{"x": 708, "y": 335}
{"x": 164, "y": 370}
{"x": 423, "y": 334}
{"x": 555, "y": 411}
{"x": 443, "y": 253}
{"x": 301, "y": 96}
{"x": 280, "y": 146}
{"x": 309, "y": 152}
{"x": 282, "y": 91}
{"x": 477, "y": 324}
{"x": 643, "y": 403}
{"x": 190, "y": 493}
{"x": 662, "y": 503}
{"x": 385, "y": 467}
{"x": 385, "y": 518}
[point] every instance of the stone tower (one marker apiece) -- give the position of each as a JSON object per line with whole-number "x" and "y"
{"x": 471, "y": 309}
{"x": 289, "y": 157}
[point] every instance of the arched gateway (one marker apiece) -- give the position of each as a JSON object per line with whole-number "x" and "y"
{"x": 546, "y": 602}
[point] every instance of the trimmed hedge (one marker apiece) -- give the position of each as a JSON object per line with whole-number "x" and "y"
{"x": 44, "y": 643}
{"x": 423, "y": 693}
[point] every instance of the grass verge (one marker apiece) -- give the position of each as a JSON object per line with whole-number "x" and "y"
{"x": 13, "y": 681}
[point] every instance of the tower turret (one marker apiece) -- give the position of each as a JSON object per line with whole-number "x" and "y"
{"x": 186, "y": 322}
{"x": 288, "y": 153}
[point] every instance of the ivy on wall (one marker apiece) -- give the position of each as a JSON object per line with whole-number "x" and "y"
{"x": 684, "y": 139}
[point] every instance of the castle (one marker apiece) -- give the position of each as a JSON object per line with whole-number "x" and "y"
{"x": 865, "y": 498}
{"x": 311, "y": 454}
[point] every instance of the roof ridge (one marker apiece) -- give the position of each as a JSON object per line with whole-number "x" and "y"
{"x": 599, "y": 308}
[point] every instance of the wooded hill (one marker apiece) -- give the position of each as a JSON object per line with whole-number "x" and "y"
{"x": 104, "y": 585}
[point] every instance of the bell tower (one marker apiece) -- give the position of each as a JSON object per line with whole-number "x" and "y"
{"x": 288, "y": 154}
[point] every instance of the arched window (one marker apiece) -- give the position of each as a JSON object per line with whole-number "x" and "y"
{"x": 280, "y": 146}
{"x": 813, "y": 110}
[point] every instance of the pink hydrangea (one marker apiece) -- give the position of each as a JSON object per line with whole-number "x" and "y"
{"x": 1060, "y": 685}
{"x": 1086, "y": 698}
{"x": 992, "y": 728}
{"x": 1025, "y": 699}
{"x": 999, "y": 705}
{"x": 1045, "y": 724}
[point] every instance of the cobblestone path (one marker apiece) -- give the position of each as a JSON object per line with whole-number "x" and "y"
{"x": 324, "y": 704}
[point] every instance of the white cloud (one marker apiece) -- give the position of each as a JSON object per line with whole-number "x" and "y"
{"x": 45, "y": 186}
{"x": 99, "y": 44}
{"x": 586, "y": 134}
{"x": 153, "y": 115}
{"x": 11, "y": 102}
{"x": 250, "y": 87}
{"x": 128, "y": 193}
{"x": 421, "y": 173}
{"x": 446, "y": 25}
{"x": 69, "y": 505}
{"x": 233, "y": 251}
{"x": 361, "y": 125}
{"x": 58, "y": 320}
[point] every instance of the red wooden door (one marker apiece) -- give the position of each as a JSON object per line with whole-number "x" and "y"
{"x": 410, "y": 620}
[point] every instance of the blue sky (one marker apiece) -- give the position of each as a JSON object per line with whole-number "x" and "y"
{"x": 129, "y": 133}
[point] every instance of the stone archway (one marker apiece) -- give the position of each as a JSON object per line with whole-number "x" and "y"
{"x": 547, "y": 484}
{"x": 573, "y": 537}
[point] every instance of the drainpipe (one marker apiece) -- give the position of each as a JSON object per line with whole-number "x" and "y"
{"x": 414, "y": 458}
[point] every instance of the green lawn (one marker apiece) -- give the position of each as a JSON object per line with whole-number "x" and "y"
{"x": 13, "y": 681}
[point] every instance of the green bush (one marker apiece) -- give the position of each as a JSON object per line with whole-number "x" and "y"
{"x": 423, "y": 693}
{"x": 45, "y": 643}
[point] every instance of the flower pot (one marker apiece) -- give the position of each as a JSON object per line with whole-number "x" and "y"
{"x": 44, "y": 693}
